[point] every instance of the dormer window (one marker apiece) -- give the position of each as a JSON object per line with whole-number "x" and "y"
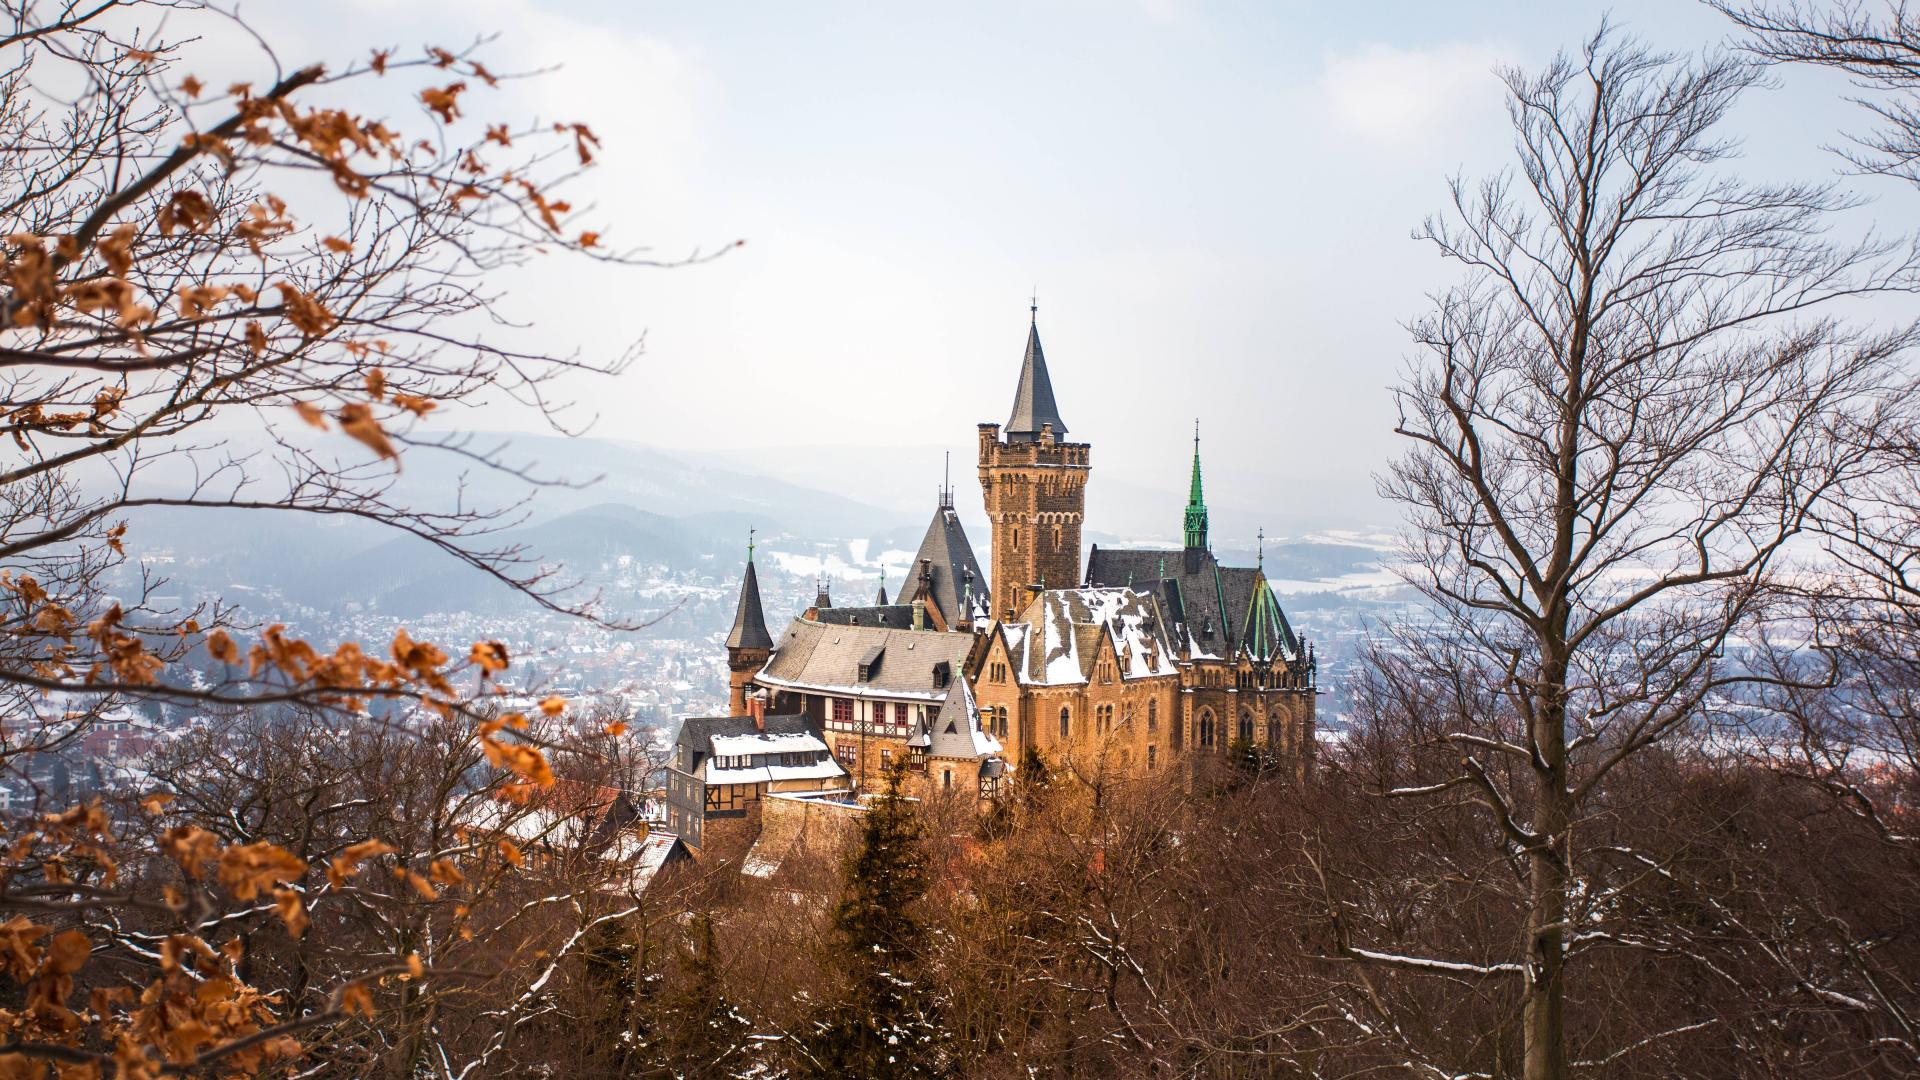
{"x": 942, "y": 674}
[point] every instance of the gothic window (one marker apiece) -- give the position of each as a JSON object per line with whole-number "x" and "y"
{"x": 1126, "y": 714}
{"x": 1152, "y": 753}
{"x": 1056, "y": 538}
{"x": 1206, "y": 728}
{"x": 1066, "y": 723}
{"x": 1153, "y": 716}
{"x": 1000, "y": 722}
{"x": 1246, "y": 726}
{"x": 946, "y": 778}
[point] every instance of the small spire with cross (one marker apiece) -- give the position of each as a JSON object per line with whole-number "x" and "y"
{"x": 1033, "y": 305}
{"x": 750, "y": 532}
{"x": 1260, "y": 539}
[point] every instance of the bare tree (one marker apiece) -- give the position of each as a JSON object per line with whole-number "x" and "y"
{"x": 1621, "y": 417}
{"x": 159, "y": 292}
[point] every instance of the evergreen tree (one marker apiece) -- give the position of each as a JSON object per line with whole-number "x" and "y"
{"x": 702, "y": 1032}
{"x": 883, "y": 1025}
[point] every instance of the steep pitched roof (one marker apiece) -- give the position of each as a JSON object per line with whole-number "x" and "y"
{"x": 1033, "y": 404}
{"x": 1216, "y": 610}
{"x": 828, "y": 658}
{"x": 749, "y": 623}
{"x": 953, "y": 572}
{"x": 956, "y": 731}
{"x": 1067, "y": 626}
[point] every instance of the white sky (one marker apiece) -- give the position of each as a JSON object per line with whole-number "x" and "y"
{"x": 1213, "y": 201}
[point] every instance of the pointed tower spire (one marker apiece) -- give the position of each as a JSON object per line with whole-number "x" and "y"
{"x": 1033, "y": 404}
{"x": 881, "y": 600}
{"x": 749, "y": 622}
{"x": 748, "y": 643}
{"x": 1196, "y": 503}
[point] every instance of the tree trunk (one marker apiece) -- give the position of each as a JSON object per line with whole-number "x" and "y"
{"x": 1543, "y": 1019}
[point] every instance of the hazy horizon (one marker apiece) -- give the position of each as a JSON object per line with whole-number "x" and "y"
{"x": 1213, "y": 201}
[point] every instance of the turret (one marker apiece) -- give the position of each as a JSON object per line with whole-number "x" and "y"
{"x": 748, "y": 643}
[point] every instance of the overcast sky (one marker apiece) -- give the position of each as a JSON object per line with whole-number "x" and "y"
{"x": 1213, "y": 201}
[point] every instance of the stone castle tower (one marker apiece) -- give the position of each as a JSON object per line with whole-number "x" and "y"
{"x": 1035, "y": 484}
{"x": 748, "y": 643}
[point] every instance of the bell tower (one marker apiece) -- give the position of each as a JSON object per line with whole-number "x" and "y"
{"x": 1035, "y": 485}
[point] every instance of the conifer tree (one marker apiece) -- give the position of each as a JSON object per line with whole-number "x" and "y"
{"x": 702, "y": 1032}
{"x": 883, "y": 1024}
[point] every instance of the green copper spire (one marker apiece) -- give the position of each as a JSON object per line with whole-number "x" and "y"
{"x": 1196, "y": 504}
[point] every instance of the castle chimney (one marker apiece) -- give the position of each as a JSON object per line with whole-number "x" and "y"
{"x": 919, "y": 614}
{"x": 757, "y": 709}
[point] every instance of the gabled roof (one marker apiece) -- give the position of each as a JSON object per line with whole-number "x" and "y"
{"x": 1066, "y": 627}
{"x": 825, "y": 657}
{"x": 952, "y": 571}
{"x": 1033, "y": 404}
{"x": 956, "y": 731}
{"x": 1211, "y": 607}
{"x": 749, "y": 623}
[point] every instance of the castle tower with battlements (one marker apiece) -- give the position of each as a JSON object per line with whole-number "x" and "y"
{"x": 1035, "y": 485}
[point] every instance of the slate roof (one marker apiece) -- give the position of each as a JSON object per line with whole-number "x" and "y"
{"x": 956, "y": 731}
{"x": 698, "y": 731}
{"x": 1033, "y": 404}
{"x": 1208, "y": 604}
{"x": 827, "y": 657}
{"x": 897, "y": 616}
{"x": 749, "y": 623}
{"x": 953, "y": 572}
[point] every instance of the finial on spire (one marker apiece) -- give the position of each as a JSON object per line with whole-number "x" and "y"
{"x": 1033, "y": 305}
{"x": 750, "y": 532}
{"x": 1196, "y": 517}
{"x": 1261, "y": 550}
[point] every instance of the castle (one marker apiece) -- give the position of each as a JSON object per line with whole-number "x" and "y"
{"x": 1136, "y": 662}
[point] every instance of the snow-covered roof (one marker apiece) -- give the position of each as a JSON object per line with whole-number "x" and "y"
{"x": 1066, "y": 627}
{"x": 956, "y": 730}
{"x": 825, "y": 769}
{"x": 765, "y": 743}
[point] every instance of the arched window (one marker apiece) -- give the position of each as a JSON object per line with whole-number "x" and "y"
{"x": 1246, "y": 726}
{"x": 1066, "y": 723}
{"x": 1206, "y": 728}
{"x": 1153, "y": 716}
{"x": 1056, "y": 538}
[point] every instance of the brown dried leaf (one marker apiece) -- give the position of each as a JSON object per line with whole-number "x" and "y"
{"x": 357, "y": 421}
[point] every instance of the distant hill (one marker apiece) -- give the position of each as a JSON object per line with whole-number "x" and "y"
{"x": 620, "y": 501}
